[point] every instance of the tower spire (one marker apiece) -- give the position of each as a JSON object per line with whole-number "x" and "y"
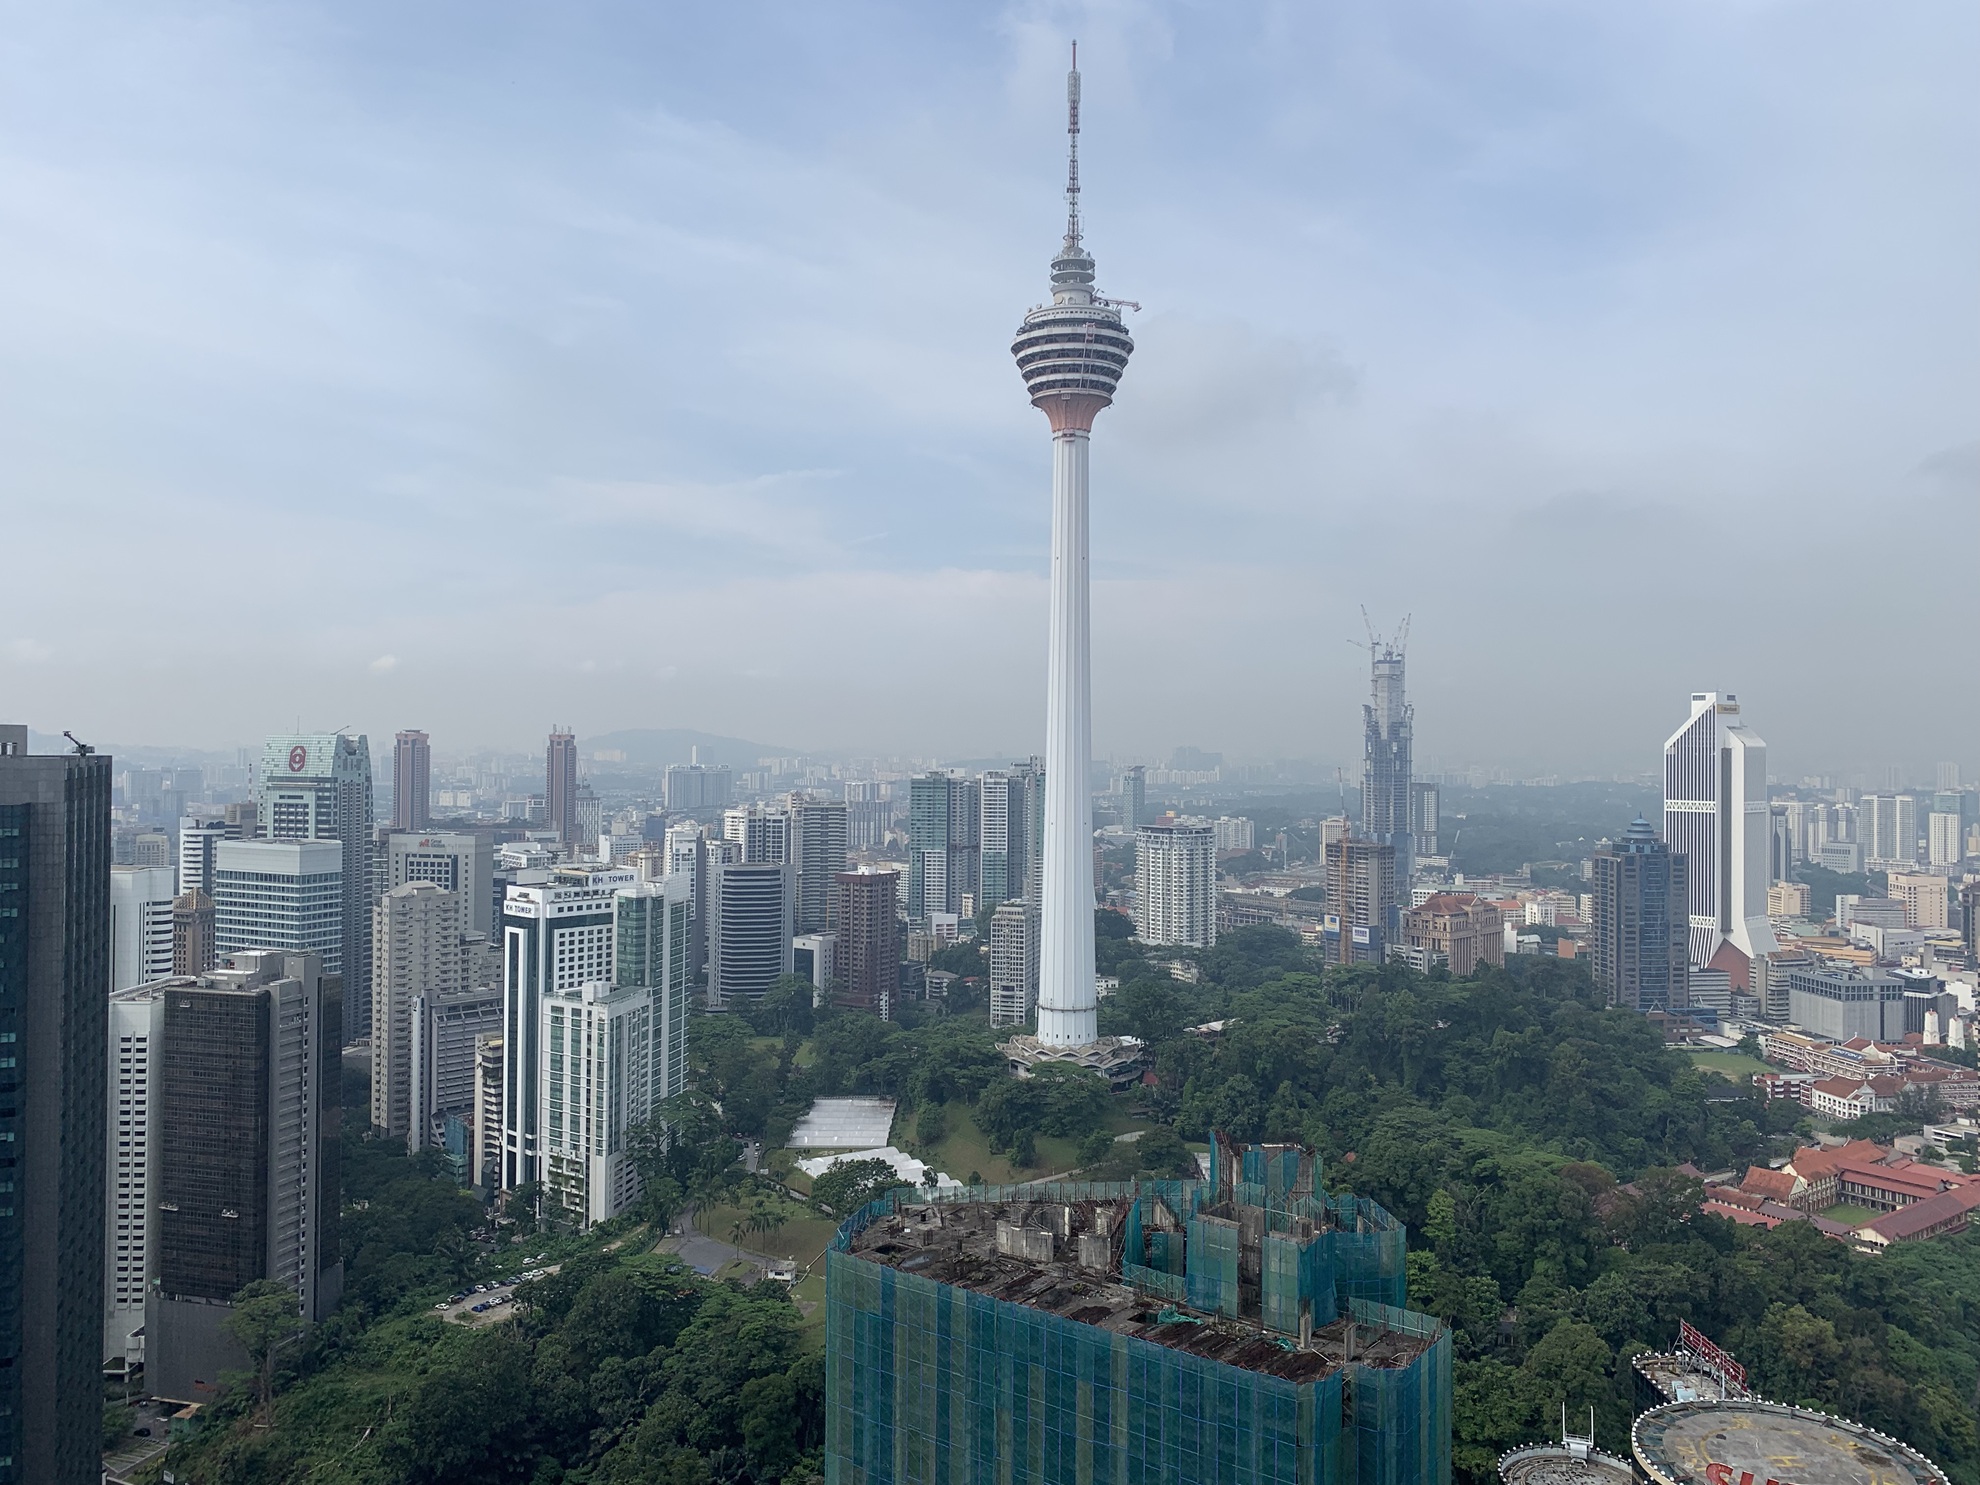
{"x": 1072, "y": 155}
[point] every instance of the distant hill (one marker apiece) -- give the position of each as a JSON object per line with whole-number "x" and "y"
{"x": 655, "y": 747}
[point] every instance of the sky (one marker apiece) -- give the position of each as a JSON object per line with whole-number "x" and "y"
{"x": 479, "y": 367}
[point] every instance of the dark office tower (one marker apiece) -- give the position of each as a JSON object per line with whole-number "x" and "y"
{"x": 944, "y": 843}
{"x": 54, "y": 1025}
{"x": 1642, "y": 922}
{"x": 1361, "y": 900}
{"x": 869, "y": 953}
{"x": 192, "y": 933}
{"x": 1385, "y": 767}
{"x": 247, "y": 1123}
{"x": 1969, "y": 918}
{"x": 317, "y": 786}
{"x": 560, "y": 787}
{"x": 412, "y": 781}
{"x": 818, "y": 849}
{"x": 749, "y": 930}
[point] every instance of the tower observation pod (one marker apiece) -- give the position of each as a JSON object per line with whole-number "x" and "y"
{"x": 1071, "y": 353}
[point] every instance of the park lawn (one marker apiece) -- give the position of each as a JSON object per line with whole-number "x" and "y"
{"x": 965, "y": 1148}
{"x": 1735, "y": 1065}
{"x": 1854, "y": 1216}
{"x": 802, "y": 1237}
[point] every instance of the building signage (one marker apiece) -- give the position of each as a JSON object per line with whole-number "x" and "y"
{"x": 1360, "y": 934}
{"x": 298, "y": 758}
{"x": 1693, "y": 1340}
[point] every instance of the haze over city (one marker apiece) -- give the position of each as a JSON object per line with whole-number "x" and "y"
{"x": 650, "y": 366}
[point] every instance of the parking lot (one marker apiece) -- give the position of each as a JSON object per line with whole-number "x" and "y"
{"x": 486, "y": 1303}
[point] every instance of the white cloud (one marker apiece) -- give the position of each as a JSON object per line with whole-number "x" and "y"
{"x": 664, "y": 368}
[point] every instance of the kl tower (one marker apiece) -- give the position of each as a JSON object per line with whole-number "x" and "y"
{"x": 1071, "y": 354}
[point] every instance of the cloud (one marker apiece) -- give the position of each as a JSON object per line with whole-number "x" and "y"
{"x": 385, "y": 663}
{"x": 675, "y": 345}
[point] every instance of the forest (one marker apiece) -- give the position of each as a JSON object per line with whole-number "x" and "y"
{"x": 1529, "y": 1137}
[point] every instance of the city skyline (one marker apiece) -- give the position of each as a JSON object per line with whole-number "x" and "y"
{"x": 1511, "y": 310}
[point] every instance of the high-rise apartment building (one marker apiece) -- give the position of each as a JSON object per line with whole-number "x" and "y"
{"x": 944, "y": 846}
{"x": 417, "y": 935}
{"x": 1946, "y": 837}
{"x": 691, "y": 787}
{"x": 1234, "y": 833}
{"x": 598, "y": 1082}
{"x": 653, "y": 933}
{"x": 130, "y": 1154}
{"x": 317, "y": 787}
{"x": 687, "y": 858}
{"x": 1715, "y": 816}
{"x": 54, "y": 967}
{"x": 282, "y": 894}
{"x": 749, "y": 930}
{"x": 1361, "y": 899}
{"x": 1425, "y": 818}
{"x": 1388, "y": 726}
{"x": 486, "y": 1158}
{"x": 412, "y": 781}
{"x": 869, "y": 941}
{"x": 556, "y": 935}
{"x": 762, "y": 834}
{"x": 1013, "y": 964}
{"x": 455, "y": 859}
{"x": 247, "y": 1110}
{"x": 1012, "y": 833}
{"x": 818, "y": 851}
{"x": 1888, "y": 829}
{"x": 195, "y": 934}
{"x": 447, "y": 1028}
{"x": 560, "y": 787}
{"x": 1642, "y": 926}
{"x": 1175, "y": 884}
{"x": 1131, "y": 788}
{"x": 140, "y": 924}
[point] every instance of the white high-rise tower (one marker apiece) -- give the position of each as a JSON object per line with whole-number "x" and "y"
{"x": 1071, "y": 354}
{"x": 1715, "y": 813}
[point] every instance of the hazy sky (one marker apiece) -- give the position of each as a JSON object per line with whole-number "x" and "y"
{"x": 482, "y": 366}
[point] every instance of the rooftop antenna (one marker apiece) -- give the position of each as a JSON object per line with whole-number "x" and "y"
{"x": 1072, "y": 153}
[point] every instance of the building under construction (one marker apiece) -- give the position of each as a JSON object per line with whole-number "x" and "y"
{"x": 1245, "y": 1330}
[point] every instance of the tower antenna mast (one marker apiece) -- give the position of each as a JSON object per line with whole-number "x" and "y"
{"x": 1072, "y": 150}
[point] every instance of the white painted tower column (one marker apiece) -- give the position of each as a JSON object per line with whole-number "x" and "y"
{"x": 1066, "y": 1004}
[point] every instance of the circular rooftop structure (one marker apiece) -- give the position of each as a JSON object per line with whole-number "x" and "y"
{"x": 1744, "y": 1441}
{"x": 1572, "y": 1462}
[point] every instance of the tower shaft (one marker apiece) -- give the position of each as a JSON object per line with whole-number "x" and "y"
{"x": 1066, "y": 1003}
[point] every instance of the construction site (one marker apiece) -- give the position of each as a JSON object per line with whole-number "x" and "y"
{"x": 1247, "y": 1328}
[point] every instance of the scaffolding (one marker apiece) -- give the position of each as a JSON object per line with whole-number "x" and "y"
{"x": 1235, "y": 1331}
